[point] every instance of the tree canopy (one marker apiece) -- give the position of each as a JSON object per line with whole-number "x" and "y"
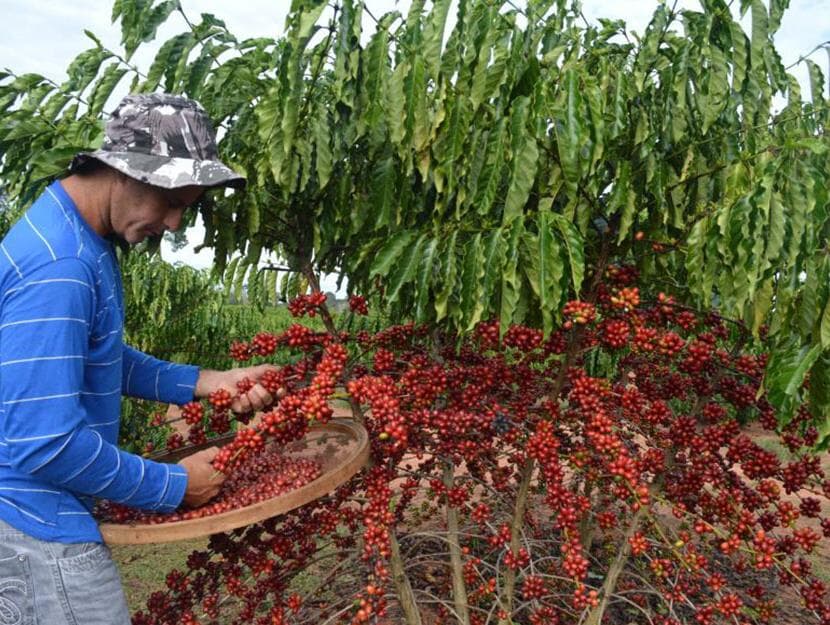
{"x": 487, "y": 170}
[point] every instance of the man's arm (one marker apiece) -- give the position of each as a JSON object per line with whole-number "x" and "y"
{"x": 44, "y": 338}
{"x": 146, "y": 377}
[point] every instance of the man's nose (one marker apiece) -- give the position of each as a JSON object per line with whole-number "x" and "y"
{"x": 173, "y": 219}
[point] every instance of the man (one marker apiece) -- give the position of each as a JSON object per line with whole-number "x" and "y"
{"x": 64, "y": 367}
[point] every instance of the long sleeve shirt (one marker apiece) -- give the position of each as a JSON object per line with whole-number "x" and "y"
{"x": 63, "y": 370}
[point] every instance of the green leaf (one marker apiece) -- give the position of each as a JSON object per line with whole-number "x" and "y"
{"x": 413, "y": 21}
{"x": 403, "y": 271}
{"x": 448, "y": 287}
{"x": 491, "y": 175}
{"x": 796, "y": 376}
{"x": 510, "y": 281}
{"x": 575, "y": 247}
{"x": 229, "y": 274}
{"x": 490, "y": 63}
{"x": 740, "y": 57}
{"x": 160, "y": 64}
{"x": 544, "y": 267}
{"x": 471, "y": 275}
{"x": 569, "y": 131}
{"x": 376, "y": 75}
{"x": 383, "y": 192}
{"x": 199, "y": 69}
{"x": 391, "y": 252}
{"x": 448, "y": 145}
{"x": 623, "y": 200}
{"x": 84, "y": 68}
{"x": 254, "y": 221}
{"x": 396, "y": 104}
{"x": 177, "y": 62}
{"x": 762, "y": 305}
{"x": 820, "y": 399}
{"x": 271, "y": 287}
{"x": 306, "y": 22}
{"x": 815, "y": 145}
{"x": 787, "y": 368}
{"x": 104, "y": 87}
{"x": 525, "y": 157}
{"x": 760, "y": 32}
{"x": 434, "y": 35}
{"x": 94, "y": 37}
{"x": 52, "y": 162}
{"x": 816, "y": 83}
{"x": 417, "y": 117}
{"x": 426, "y": 274}
{"x": 148, "y": 24}
{"x": 494, "y": 260}
{"x": 52, "y": 108}
{"x": 322, "y": 147}
{"x": 552, "y": 266}
{"x": 714, "y": 95}
{"x": 824, "y": 327}
{"x": 776, "y": 231}
{"x": 700, "y": 280}
{"x": 346, "y": 52}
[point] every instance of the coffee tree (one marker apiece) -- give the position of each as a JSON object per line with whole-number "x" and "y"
{"x": 608, "y": 259}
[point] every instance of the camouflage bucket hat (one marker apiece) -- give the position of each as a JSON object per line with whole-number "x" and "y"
{"x": 164, "y": 140}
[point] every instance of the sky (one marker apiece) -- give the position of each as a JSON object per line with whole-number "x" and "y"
{"x": 44, "y": 35}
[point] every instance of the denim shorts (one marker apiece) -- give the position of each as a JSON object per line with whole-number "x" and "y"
{"x": 48, "y": 583}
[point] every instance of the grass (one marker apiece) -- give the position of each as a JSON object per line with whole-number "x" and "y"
{"x": 144, "y": 567}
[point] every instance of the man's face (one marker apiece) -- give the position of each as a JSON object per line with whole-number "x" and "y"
{"x": 140, "y": 210}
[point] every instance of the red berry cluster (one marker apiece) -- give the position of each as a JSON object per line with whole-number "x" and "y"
{"x": 384, "y": 360}
{"x": 246, "y": 441}
{"x": 192, "y": 412}
{"x": 488, "y": 334}
{"x": 580, "y": 313}
{"x": 386, "y": 419}
{"x": 622, "y": 275}
{"x": 357, "y": 304}
{"x": 240, "y": 351}
{"x": 220, "y": 399}
{"x": 264, "y": 344}
{"x": 533, "y": 587}
{"x": 174, "y": 441}
{"x": 615, "y": 333}
{"x": 627, "y": 298}
{"x": 244, "y": 385}
{"x": 523, "y": 338}
{"x": 307, "y": 304}
{"x": 301, "y": 337}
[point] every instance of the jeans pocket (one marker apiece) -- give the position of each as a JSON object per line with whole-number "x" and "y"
{"x": 17, "y": 604}
{"x": 92, "y": 586}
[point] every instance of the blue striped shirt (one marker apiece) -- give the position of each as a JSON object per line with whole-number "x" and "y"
{"x": 63, "y": 369}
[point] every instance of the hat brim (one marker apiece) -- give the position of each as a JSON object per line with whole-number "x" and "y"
{"x": 166, "y": 172}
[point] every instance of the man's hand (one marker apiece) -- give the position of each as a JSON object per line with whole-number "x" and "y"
{"x": 203, "y": 481}
{"x": 256, "y": 398}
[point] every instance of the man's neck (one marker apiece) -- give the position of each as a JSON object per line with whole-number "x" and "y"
{"x": 91, "y": 196}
